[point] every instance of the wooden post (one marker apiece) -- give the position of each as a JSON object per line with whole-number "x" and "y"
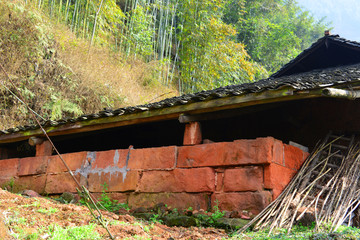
{"x": 192, "y": 133}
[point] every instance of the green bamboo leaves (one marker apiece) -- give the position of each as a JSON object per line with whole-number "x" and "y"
{"x": 209, "y": 56}
{"x": 97, "y": 20}
{"x": 194, "y": 44}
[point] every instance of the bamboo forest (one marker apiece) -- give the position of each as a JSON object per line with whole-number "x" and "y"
{"x": 200, "y": 44}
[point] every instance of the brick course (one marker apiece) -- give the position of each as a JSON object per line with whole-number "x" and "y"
{"x": 110, "y": 158}
{"x": 152, "y": 158}
{"x": 116, "y": 182}
{"x": 60, "y": 182}
{"x": 73, "y": 160}
{"x": 239, "y": 152}
{"x": 240, "y": 175}
{"x": 9, "y": 168}
{"x": 244, "y": 179}
{"x": 253, "y": 202}
{"x": 178, "y": 180}
{"x": 176, "y": 200}
{"x": 32, "y": 166}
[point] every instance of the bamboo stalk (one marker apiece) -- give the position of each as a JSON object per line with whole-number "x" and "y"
{"x": 95, "y": 22}
{"x": 66, "y": 11}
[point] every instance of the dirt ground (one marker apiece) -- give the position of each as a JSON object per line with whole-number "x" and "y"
{"x": 32, "y": 214}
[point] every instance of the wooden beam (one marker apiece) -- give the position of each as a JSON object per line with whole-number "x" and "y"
{"x": 33, "y": 141}
{"x": 341, "y": 93}
{"x": 167, "y": 113}
{"x": 228, "y": 113}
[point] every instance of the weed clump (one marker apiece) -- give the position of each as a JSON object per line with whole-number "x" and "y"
{"x": 106, "y": 203}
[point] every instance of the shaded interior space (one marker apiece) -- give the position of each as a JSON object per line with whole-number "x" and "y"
{"x": 17, "y": 150}
{"x": 156, "y": 134}
{"x": 302, "y": 121}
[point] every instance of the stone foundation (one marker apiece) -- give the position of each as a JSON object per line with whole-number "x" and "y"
{"x": 239, "y": 175}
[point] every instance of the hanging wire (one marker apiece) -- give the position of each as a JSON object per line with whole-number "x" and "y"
{"x": 85, "y": 193}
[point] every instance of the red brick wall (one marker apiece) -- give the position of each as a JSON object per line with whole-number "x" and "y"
{"x": 238, "y": 175}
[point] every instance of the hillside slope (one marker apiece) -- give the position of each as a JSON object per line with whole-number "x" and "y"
{"x": 59, "y": 75}
{"x": 40, "y": 218}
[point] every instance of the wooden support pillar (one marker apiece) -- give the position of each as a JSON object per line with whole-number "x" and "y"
{"x": 192, "y": 133}
{"x": 44, "y": 149}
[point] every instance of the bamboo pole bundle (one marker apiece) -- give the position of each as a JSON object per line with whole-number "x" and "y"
{"x": 327, "y": 192}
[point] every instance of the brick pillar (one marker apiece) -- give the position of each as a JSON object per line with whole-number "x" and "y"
{"x": 192, "y": 133}
{"x": 44, "y": 149}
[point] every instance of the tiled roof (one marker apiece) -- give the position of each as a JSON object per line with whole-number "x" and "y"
{"x": 303, "y": 81}
{"x": 328, "y": 51}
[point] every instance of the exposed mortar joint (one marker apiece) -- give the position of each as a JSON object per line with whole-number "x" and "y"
{"x": 157, "y": 169}
{"x": 176, "y": 157}
{"x": 85, "y": 169}
{"x": 216, "y": 180}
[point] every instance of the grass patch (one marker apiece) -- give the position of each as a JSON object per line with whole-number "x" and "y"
{"x": 48, "y": 211}
{"x": 74, "y": 233}
{"x": 300, "y": 232}
{"x": 106, "y": 203}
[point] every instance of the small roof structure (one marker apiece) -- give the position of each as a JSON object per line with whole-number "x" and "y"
{"x": 329, "y": 51}
{"x": 331, "y": 62}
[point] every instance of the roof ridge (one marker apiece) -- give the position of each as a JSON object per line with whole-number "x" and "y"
{"x": 308, "y": 51}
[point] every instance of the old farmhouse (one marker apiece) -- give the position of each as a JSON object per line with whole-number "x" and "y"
{"x": 238, "y": 145}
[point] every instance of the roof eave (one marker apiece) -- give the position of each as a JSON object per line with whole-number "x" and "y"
{"x": 231, "y": 102}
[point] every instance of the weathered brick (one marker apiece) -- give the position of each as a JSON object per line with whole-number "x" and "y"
{"x": 178, "y": 180}
{"x": 276, "y": 177}
{"x": 9, "y": 168}
{"x": 152, "y": 158}
{"x": 243, "y": 179}
{"x": 192, "y": 134}
{"x": 174, "y": 200}
{"x": 61, "y": 182}
{"x": 278, "y": 153}
{"x": 239, "y": 152}
{"x": 44, "y": 149}
{"x": 110, "y": 158}
{"x": 294, "y": 157}
{"x": 73, "y": 160}
{"x": 116, "y": 181}
{"x": 35, "y": 183}
{"x": 32, "y": 166}
{"x": 253, "y": 202}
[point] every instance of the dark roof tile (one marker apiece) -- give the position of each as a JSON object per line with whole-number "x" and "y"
{"x": 302, "y": 81}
